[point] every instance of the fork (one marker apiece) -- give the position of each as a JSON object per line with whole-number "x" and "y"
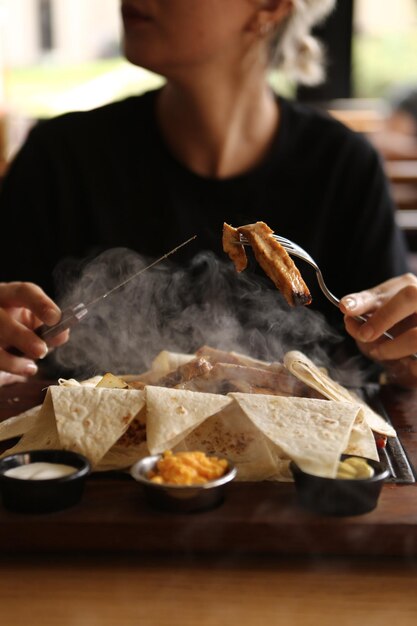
{"x": 295, "y": 250}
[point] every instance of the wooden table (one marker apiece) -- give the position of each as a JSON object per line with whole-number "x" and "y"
{"x": 232, "y": 585}
{"x": 131, "y": 591}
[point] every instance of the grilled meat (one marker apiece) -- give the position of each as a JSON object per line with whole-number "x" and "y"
{"x": 276, "y": 263}
{"x": 233, "y": 248}
{"x": 184, "y": 373}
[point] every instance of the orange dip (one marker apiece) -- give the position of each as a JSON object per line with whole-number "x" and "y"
{"x": 187, "y": 468}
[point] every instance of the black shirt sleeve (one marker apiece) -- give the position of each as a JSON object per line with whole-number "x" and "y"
{"x": 371, "y": 246}
{"x": 30, "y": 245}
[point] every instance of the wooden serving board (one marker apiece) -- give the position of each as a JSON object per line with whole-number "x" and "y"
{"x": 264, "y": 517}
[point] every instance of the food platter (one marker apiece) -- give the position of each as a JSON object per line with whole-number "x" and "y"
{"x": 259, "y": 415}
{"x": 261, "y": 517}
{"x": 270, "y": 426}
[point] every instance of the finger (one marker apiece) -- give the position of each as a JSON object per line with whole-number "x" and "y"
{"x": 359, "y": 303}
{"x": 352, "y": 327}
{"x": 32, "y": 297}
{"x": 392, "y": 312}
{"x": 8, "y": 379}
{"x": 360, "y": 330}
{"x": 366, "y": 301}
{"x": 13, "y": 334}
{"x": 19, "y": 366}
{"x": 355, "y": 328}
{"x": 60, "y": 339}
{"x": 399, "y": 307}
{"x": 402, "y": 346}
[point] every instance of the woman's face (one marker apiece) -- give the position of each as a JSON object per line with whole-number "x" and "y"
{"x": 167, "y": 36}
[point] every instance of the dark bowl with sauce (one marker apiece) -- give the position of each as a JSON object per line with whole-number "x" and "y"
{"x": 181, "y": 498}
{"x": 43, "y": 495}
{"x": 339, "y": 496}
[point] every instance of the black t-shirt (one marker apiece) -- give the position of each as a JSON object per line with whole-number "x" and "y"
{"x": 88, "y": 181}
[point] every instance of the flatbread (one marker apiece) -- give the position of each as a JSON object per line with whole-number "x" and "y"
{"x": 90, "y": 419}
{"x": 362, "y": 441}
{"x": 122, "y": 457}
{"x": 312, "y": 432}
{"x": 43, "y": 434}
{"x": 19, "y": 424}
{"x": 259, "y": 433}
{"x": 131, "y": 446}
{"x": 173, "y": 413}
{"x": 305, "y": 370}
{"x": 231, "y": 434}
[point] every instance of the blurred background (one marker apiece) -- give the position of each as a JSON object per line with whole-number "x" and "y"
{"x": 61, "y": 55}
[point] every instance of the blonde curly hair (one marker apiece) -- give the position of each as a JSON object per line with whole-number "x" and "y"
{"x": 294, "y": 50}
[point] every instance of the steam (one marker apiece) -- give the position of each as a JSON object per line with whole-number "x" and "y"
{"x": 179, "y": 309}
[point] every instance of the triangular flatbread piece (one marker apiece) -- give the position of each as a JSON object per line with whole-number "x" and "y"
{"x": 90, "y": 420}
{"x": 43, "y": 434}
{"x": 312, "y": 432}
{"x": 305, "y": 370}
{"x": 174, "y": 413}
{"x": 362, "y": 441}
{"x": 131, "y": 446}
{"x": 231, "y": 434}
{"x": 19, "y": 424}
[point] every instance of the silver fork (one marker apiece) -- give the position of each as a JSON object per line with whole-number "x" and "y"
{"x": 295, "y": 250}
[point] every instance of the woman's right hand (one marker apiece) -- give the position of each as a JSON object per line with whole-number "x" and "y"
{"x": 23, "y": 307}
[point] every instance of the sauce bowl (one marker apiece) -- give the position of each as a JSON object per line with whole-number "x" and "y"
{"x": 180, "y": 498}
{"x": 339, "y": 496}
{"x": 28, "y": 495}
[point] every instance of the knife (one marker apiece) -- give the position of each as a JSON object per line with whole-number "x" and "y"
{"x": 74, "y": 314}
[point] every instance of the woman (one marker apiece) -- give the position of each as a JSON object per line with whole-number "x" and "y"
{"x": 215, "y": 144}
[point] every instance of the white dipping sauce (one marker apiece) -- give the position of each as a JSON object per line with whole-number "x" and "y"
{"x": 40, "y": 471}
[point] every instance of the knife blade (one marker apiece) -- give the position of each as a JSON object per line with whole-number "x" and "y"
{"x": 74, "y": 314}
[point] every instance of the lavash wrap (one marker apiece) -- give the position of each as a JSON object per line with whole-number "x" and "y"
{"x": 309, "y": 373}
{"x": 259, "y": 433}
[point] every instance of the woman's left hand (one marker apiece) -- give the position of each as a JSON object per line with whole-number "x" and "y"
{"x": 392, "y": 307}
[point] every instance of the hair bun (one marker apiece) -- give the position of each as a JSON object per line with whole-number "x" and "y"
{"x": 295, "y": 50}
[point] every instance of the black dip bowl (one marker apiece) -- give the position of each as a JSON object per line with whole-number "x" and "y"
{"x": 180, "y": 498}
{"x": 43, "y": 495}
{"x": 339, "y": 496}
